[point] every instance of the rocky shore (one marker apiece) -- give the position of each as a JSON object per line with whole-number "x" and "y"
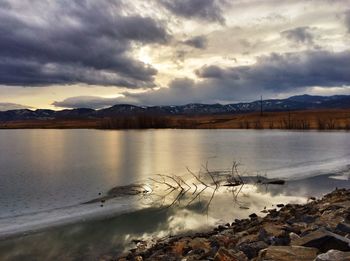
{"x": 318, "y": 230}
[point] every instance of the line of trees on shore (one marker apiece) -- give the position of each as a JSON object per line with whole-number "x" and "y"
{"x": 136, "y": 122}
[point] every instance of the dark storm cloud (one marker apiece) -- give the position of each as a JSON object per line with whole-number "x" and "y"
{"x": 74, "y": 38}
{"x": 199, "y": 42}
{"x": 33, "y": 73}
{"x": 300, "y": 35}
{"x": 280, "y": 72}
{"x": 207, "y": 10}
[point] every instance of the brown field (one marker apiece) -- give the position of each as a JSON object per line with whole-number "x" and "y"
{"x": 51, "y": 124}
{"x": 320, "y": 119}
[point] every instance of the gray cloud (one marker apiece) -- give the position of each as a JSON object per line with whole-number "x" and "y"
{"x": 75, "y": 38}
{"x": 33, "y": 73}
{"x": 211, "y": 71}
{"x": 182, "y": 90}
{"x": 347, "y": 20}
{"x": 207, "y": 10}
{"x": 279, "y": 72}
{"x": 199, "y": 42}
{"x": 5, "y": 106}
{"x": 299, "y": 35}
{"x": 93, "y": 102}
{"x": 270, "y": 75}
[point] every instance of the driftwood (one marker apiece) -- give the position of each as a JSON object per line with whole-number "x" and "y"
{"x": 204, "y": 180}
{"x": 121, "y": 191}
{"x": 171, "y": 190}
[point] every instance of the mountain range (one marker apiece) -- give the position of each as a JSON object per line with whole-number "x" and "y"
{"x": 294, "y": 103}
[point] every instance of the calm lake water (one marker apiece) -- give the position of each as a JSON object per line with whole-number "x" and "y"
{"x": 47, "y": 175}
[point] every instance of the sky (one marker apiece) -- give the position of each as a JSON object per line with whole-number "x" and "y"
{"x": 58, "y": 54}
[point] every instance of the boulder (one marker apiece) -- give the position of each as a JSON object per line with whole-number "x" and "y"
{"x": 323, "y": 240}
{"x": 273, "y": 229}
{"x": 330, "y": 219}
{"x": 332, "y": 255}
{"x": 223, "y": 240}
{"x": 287, "y": 253}
{"x": 179, "y": 247}
{"x": 199, "y": 243}
{"x": 308, "y": 218}
{"x": 163, "y": 256}
{"x": 343, "y": 228}
{"x": 251, "y": 250}
{"x": 229, "y": 255}
{"x": 253, "y": 215}
{"x": 293, "y": 236}
{"x": 249, "y": 239}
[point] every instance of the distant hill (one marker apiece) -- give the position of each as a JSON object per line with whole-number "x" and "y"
{"x": 294, "y": 103}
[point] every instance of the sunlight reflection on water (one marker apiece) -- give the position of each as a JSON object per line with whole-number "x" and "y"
{"x": 47, "y": 174}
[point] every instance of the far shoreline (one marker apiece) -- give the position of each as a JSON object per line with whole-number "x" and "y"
{"x": 286, "y": 120}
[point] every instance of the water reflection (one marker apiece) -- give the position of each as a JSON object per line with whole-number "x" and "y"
{"x": 310, "y": 187}
{"x": 46, "y": 169}
{"x": 89, "y": 240}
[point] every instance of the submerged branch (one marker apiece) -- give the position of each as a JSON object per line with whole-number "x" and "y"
{"x": 171, "y": 190}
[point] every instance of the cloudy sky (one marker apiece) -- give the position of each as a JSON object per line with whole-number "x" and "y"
{"x": 85, "y": 53}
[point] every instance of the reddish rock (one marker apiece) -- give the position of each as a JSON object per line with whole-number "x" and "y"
{"x": 229, "y": 255}
{"x": 287, "y": 253}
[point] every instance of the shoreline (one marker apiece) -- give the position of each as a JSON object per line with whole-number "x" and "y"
{"x": 331, "y": 119}
{"x": 316, "y": 230}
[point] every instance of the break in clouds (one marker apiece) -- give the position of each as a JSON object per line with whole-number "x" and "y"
{"x": 170, "y": 52}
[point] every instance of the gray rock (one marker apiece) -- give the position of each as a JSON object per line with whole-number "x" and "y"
{"x": 251, "y": 250}
{"x": 308, "y": 219}
{"x": 225, "y": 255}
{"x": 332, "y": 255}
{"x": 324, "y": 241}
{"x": 343, "y": 227}
{"x": 293, "y": 236}
{"x": 287, "y": 253}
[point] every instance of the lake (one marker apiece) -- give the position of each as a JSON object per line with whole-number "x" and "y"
{"x": 46, "y": 176}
